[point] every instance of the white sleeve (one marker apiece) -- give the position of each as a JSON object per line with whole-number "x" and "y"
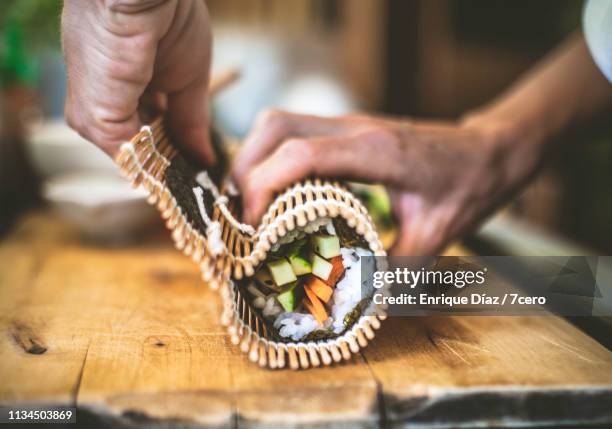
{"x": 597, "y": 23}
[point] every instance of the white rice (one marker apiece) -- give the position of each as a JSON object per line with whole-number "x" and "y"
{"x": 272, "y": 307}
{"x": 309, "y": 228}
{"x": 347, "y": 293}
{"x": 295, "y": 325}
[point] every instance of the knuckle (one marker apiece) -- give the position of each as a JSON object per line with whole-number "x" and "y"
{"x": 131, "y": 6}
{"x": 357, "y": 117}
{"x": 302, "y": 149}
{"x": 138, "y": 69}
{"x": 384, "y": 137}
{"x": 69, "y": 119}
{"x": 272, "y": 118}
{"x": 92, "y": 127}
{"x": 75, "y": 121}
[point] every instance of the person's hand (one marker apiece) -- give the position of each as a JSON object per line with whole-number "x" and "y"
{"x": 443, "y": 177}
{"x": 128, "y": 61}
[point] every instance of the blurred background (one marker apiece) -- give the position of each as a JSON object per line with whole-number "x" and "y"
{"x": 422, "y": 58}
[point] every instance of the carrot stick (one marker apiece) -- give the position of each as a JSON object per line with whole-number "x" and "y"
{"x": 321, "y": 289}
{"x": 315, "y": 306}
{"x": 336, "y": 272}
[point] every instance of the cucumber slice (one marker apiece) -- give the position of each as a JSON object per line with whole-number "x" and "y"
{"x": 321, "y": 268}
{"x": 327, "y": 246}
{"x": 287, "y": 298}
{"x": 281, "y": 272}
{"x": 300, "y": 265}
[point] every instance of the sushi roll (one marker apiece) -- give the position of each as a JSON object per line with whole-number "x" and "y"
{"x": 291, "y": 287}
{"x": 304, "y": 303}
{"x": 309, "y": 287}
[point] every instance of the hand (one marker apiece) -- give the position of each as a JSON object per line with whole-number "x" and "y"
{"x": 443, "y": 177}
{"x": 128, "y": 61}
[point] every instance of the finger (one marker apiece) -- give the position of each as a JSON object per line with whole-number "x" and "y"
{"x": 272, "y": 127}
{"x": 182, "y": 72}
{"x": 102, "y": 106}
{"x": 109, "y": 63}
{"x": 152, "y": 104}
{"x": 349, "y": 157}
{"x": 405, "y": 206}
{"x": 422, "y": 229}
{"x": 107, "y": 133}
{"x": 189, "y": 120}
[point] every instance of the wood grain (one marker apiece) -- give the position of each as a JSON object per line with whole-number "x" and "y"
{"x": 33, "y": 317}
{"x": 131, "y": 336}
{"x": 482, "y": 369}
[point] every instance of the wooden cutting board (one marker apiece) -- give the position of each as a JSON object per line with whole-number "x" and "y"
{"x": 131, "y": 335}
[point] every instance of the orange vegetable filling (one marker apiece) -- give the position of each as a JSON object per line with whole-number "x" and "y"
{"x": 336, "y": 272}
{"x": 315, "y": 306}
{"x": 319, "y": 288}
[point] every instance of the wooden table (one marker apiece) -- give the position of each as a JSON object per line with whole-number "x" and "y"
{"x": 130, "y": 335}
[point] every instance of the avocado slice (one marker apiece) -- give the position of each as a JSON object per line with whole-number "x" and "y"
{"x": 281, "y": 272}
{"x": 300, "y": 264}
{"x": 327, "y": 246}
{"x": 299, "y": 260}
{"x": 320, "y": 267}
{"x": 287, "y": 298}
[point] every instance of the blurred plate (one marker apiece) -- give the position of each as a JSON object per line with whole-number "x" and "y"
{"x": 54, "y": 148}
{"x": 103, "y": 206}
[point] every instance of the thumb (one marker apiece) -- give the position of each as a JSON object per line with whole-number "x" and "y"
{"x": 189, "y": 120}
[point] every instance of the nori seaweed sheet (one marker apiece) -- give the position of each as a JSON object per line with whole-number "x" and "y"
{"x": 180, "y": 179}
{"x": 348, "y": 236}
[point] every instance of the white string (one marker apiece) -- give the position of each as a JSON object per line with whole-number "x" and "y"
{"x": 215, "y": 244}
{"x": 221, "y": 201}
